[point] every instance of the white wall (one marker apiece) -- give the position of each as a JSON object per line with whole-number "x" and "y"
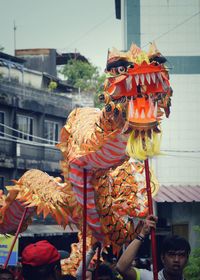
{"x": 181, "y": 133}
{"x": 30, "y": 77}
{"x": 175, "y": 26}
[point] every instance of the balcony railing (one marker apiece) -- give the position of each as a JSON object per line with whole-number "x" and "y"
{"x": 26, "y": 150}
{"x": 45, "y": 97}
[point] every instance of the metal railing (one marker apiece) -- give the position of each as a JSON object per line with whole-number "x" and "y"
{"x": 29, "y": 151}
{"x": 44, "y": 96}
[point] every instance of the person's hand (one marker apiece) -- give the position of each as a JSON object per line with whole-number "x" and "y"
{"x": 149, "y": 223}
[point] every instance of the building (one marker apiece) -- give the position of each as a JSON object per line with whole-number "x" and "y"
{"x": 31, "y": 116}
{"x": 46, "y": 60}
{"x": 174, "y": 26}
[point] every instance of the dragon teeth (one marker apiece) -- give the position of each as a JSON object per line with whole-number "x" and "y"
{"x": 153, "y": 76}
{"x": 137, "y": 80}
{"x": 155, "y": 110}
{"x": 157, "y": 82}
{"x": 142, "y": 114}
{"x": 148, "y": 78}
{"x": 149, "y": 113}
{"x": 142, "y": 78}
{"x": 160, "y": 77}
{"x": 129, "y": 83}
{"x": 136, "y": 114}
{"x": 131, "y": 112}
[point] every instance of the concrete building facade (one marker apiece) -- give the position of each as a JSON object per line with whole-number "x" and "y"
{"x": 31, "y": 117}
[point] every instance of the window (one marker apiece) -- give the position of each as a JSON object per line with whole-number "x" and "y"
{"x": 181, "y": 229}
{"x": 2, "y": 183}
{"x": 2, "y": 117}
{"x": 25, "y": 126}
{"x": 51, "y": 131}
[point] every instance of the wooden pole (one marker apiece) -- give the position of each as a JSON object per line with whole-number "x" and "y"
{"x": 84, "y": 221}
{"x": 153, "y": 233}
{"x": 16, "y": 235}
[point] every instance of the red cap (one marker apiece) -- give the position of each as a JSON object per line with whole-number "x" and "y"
{"x": 40, "y": 253}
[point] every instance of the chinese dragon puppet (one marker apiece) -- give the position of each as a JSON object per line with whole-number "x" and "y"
{"x": 110, "y": 144}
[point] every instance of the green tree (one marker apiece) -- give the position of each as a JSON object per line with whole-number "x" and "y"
{"x": 192, "y": 271}
{"x": 83, "y": 75}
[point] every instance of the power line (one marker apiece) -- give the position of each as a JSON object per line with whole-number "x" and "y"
{"x": 90, "y": 30}
{"x": 26, "y": 142}
{"x": 186, "y": 157}
{"x": 182, "y": 151}
{"x": 191, "y": 159}
{"x": 176, "y": 26}
{"x": 27, "y": 134}
{"x": 55, "y": 142}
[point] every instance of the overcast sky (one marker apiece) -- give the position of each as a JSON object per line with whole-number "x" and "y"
{"x": 87, "y": 26}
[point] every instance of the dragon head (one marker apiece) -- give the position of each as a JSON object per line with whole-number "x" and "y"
{"x": 138, "y": 83}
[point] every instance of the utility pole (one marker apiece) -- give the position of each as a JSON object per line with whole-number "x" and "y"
{"x": 14, "y": 28}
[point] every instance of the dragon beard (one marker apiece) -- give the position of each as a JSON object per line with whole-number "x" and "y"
{"x": 142, "y": 146}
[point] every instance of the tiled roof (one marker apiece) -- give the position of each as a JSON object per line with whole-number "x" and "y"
{"x": 178, "y": 193}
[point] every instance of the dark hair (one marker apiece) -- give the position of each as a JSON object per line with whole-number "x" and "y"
{"x": 68, "y": 277}
{"x": 40, "y": 272}
{"x": 143, "y": 263}
{"x": 104, "y": 270}
{"x": 175, "y": 243}
{"x": 6, "y": 271}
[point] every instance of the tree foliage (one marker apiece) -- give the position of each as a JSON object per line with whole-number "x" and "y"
{"x": 83, "y": 75}
{"x": 192, "y": 271}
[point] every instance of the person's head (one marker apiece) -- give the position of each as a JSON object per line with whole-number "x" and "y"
{"x": 68, "y": 277}
{"x": 104, "y": 272}
{"x": 41, "y": 261}
{"x": 174, "y": 254}
{"x": 5, "y": 274}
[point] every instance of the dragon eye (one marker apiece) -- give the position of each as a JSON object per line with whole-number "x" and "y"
{"x": 121, "y": 69}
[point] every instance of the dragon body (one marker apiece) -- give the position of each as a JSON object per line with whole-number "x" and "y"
{"x": 110, "y": 145}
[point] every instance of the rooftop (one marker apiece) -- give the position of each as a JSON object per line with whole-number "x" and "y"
{"x": 178, "y": 193}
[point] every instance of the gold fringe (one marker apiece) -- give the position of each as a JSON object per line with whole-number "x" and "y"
{"x": 142, "y": 146}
